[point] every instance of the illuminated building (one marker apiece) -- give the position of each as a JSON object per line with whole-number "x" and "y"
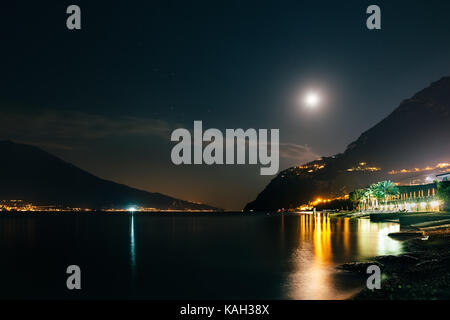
{"x": 443, "y": 177}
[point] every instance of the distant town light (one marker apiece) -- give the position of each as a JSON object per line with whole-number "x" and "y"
{"x": 132, "y": 209}
{"x": 428, "y": 168}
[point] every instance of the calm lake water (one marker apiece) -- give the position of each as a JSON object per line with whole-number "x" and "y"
{"x": 173, "y": 256}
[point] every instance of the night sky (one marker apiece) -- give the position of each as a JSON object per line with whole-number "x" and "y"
{"x": 107, "y": 97}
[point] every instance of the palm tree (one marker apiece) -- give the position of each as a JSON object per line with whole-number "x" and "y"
{"x": 369, "y": 195}
{"x": 357, "y": 197}
{"x": 374, "y": 194}
{"x": 385, "y": 189}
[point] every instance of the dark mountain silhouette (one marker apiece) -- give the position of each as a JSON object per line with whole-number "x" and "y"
{"x": 415, "y": 135}
{"x": 31, "y": 174}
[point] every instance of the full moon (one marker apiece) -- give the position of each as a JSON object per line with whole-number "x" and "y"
{"x": 312, "y": 99}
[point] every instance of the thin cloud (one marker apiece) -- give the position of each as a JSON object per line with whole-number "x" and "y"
{"x": 297, "y": 154}
{"x": 57, "y": 129}
{"x": 65, "y": 130}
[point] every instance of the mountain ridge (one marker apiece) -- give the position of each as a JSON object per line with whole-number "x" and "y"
{"x": 31, "y": 174}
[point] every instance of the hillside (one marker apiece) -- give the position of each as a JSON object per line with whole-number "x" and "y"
{"x": 31, "y": 174}
{"x": 411, "y": 145}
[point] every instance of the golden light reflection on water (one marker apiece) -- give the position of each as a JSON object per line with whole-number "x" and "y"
{"x": 324, "y": 243}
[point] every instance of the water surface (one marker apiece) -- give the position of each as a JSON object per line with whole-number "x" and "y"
{"x": 184, "y": 256}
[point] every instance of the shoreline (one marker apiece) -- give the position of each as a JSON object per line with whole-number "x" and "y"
{"x": 421, "y": 273}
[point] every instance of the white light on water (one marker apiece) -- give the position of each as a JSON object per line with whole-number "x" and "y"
{"x": 131, "y": 209}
